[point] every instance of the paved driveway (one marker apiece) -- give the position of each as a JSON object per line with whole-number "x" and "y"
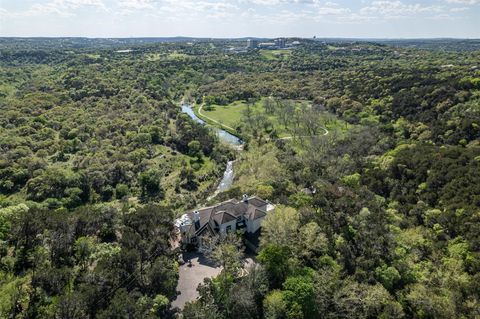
{"x": 191, "y": 277}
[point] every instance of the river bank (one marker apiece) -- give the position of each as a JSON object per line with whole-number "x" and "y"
{"x": 226, "y": 137}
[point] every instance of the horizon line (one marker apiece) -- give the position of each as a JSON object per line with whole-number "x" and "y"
{"x": 239, "y": 38}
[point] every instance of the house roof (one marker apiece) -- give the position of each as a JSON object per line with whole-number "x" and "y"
{"x": 210, "y": 217}
{"x": 258, "y": 202}
{"x": 223, "y": 217}
{"x": 205, "y": 230}
{"x": 257, "y": 214}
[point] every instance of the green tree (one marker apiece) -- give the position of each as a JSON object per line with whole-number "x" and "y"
{"x": 281, "y": 227}
{"x": 274, "y": 305}
{"x": 275, "y": 259}
{"x": 149, "y": 181}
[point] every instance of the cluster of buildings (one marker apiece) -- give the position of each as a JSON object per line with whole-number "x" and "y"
{"x": 253, "y": 44}
{"x": 280, "y": 43}
{"x": 230, "y": 216}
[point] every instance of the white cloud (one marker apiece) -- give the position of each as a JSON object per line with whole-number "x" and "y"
{"x": 63, "y": 8}
{"x": 136, "y": 4}
{"x": 396, "y": 9}
{"x": 465, "y": 2}
{"x": 332, "y": 8}
{"x": 277, "y": 2}
{"x": 459, "y": 9}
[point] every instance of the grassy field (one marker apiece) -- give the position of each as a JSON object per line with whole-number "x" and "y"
{"x": 275, "y": 54}
{"x": 230, "y": 116}
{"x": 168, "y": 57}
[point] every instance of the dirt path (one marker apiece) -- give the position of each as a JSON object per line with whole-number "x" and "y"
{"x": 231, "y": 128}
{"x": 215, "y": 121}
{"x": 291, "y": 137}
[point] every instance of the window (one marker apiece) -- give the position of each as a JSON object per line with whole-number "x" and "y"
{"x": 229, "y": 228}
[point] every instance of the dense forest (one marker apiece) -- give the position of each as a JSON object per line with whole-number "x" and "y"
{"x": 378, "y": 217}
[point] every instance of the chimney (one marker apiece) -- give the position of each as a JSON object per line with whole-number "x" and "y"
{"x": 245, "y": 198}
{"x": 196, "y": 219}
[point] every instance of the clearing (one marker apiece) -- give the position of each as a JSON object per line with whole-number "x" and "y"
{"x": 275, "y": 54}
{"x": 230, "y": 116}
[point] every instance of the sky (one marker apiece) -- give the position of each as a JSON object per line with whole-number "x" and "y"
{"x": 241, "y": 18}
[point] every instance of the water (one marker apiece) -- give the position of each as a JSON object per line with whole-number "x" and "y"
{"x": 226, "y": 137}
{"x": 222, "y": 134}
{"x": 227, "y": 179}
{"x": 187, "y": 109}
{"x": 226, "y": 182}
{"x": 229, "y": 138}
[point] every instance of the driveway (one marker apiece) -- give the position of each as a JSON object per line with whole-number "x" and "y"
{"x": 191, "y": 277}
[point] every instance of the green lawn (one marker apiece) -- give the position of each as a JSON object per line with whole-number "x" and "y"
{"x": 231, "y": 114}
{"x": 153, "y": 57}
{"x": 275, "y": 54}
{"x": 177, "y": 56}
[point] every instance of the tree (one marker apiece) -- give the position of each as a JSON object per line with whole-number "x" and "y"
{"x": 388, "y": 276}
{"x": 312, "y": 243}
{"x": 83, "y": 248}
{"x": 300, "y": 291}
{"x": 71, "y": 306}
{"x": 281, "y": 227}
{"x": 121, "y": 191}
{"x": 226, "y": 251}
{"x": 195, "y": 149}
{"x": 275, "y": 259}
{"x": 275, "y": 306}
{"x": 269, "y": 105}
{"x": 354, "y": 300}
{"x": 149, "y": 181}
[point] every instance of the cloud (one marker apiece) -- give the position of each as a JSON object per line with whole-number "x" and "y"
{"x": 465, "y": 2}
{"x": 136, "y": 4}
{"x": 396, "y": 9}
{"x": 64, "y": 8}
{"x": 459, "y": 9}
{"x": 259, "y": 11}
{"x": 332, "y": 9}
{"x": 278, "y": 2}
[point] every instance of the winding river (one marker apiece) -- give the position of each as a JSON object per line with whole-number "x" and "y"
{"x": 225, "y": 137}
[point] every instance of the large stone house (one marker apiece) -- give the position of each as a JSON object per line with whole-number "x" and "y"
{"x": 228, "y": 216}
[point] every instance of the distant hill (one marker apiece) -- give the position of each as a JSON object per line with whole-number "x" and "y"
{"x": 444, "y": 44}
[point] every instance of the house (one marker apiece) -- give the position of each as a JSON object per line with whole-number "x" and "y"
{"x": 228, "y": 216}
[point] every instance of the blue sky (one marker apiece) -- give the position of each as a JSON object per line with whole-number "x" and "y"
{"x": 238, "y": 18}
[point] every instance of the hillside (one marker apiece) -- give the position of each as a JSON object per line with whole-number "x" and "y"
{"x": 369, "y": 149}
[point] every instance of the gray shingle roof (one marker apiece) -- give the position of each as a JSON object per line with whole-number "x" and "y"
{"x": 252, "y": 208}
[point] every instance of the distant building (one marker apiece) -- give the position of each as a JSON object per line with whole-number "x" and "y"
{"x": 267, "y": 45}
{"x": 252, "y": 44}
{"x": 280, "y": 43}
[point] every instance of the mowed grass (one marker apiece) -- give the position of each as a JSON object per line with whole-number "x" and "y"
{"x": 232, "y": 114}
{"x": 275, "y": 54}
